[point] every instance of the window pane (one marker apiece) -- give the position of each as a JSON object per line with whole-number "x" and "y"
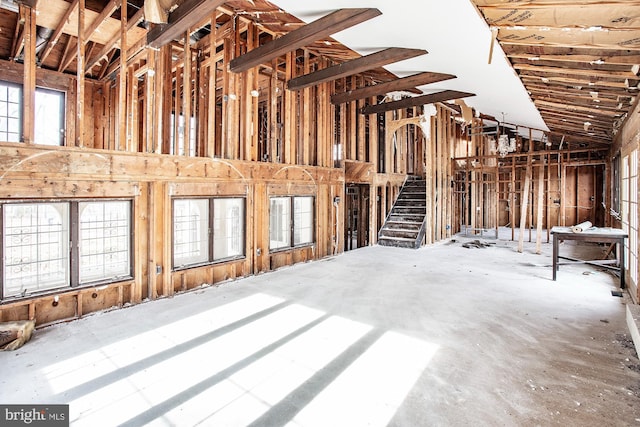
{"x": 36, "y": 242}
{"x": 49, "y": 117}
{"x": 10, "y": 111}
{"x": 280, "y": 222}
{"x": 302, "y": 220}
{"x": 228, "y": 228}
{"x": 14, "y": 94}
{"x": 104, "y": 240}
{"x": 190, "y": 231}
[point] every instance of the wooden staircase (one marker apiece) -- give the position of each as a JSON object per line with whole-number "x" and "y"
{"x": 405, "y": 224}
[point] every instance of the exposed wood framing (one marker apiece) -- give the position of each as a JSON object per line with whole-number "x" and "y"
{"x": 301, "y": 37}
{"x": 354, "y": 66}
{"x": 29, "y": 81}
{"x": 445, "y": 95}
{"x": 80, "y": 92}
{"x": 403, "y": 84}
{"x": 189, "y": 13}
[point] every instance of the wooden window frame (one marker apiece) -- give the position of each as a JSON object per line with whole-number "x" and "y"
{"x": 73, "y": 266}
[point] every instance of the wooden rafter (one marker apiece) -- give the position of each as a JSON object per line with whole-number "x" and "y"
{"x": 402, "y": 84}
{"x": 354, "y": 66}
{"x": 114, "y": 40}
{"x": 445, "y": 95}
{"x": 567, "y": 81}
{"x": 18, "y": 35}
{"x": 108, "y": 10}
{"x": 180, "y": 20}
{"x": 606, "y": 74}
{"x": 568, "y": 107}
{"x": 301, "y": 37}
{"x": 69, "y": 54}
{"x": 53, "y": 40}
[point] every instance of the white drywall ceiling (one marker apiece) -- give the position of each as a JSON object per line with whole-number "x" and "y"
{"x": 458, "y": 41}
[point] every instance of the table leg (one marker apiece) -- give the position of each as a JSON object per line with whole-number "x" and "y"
{"x": 620, "y": 256}
{"x": 555, "y": 256}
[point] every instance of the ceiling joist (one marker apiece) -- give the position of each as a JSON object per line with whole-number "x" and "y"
{"x": 180, "y": 20}
{"x": 403, "y": 84}
{"x": 139, "y": 15}
{"x": 321, "y": 28}
{"x": 445, "y": 95}
{"x": 354, "y": 66}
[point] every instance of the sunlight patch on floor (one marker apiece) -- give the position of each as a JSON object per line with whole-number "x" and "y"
{"x": 370, "y": 391}
{"x": 74, "y": 371}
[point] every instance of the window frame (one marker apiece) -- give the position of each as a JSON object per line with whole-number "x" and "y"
{"x": 62, "y": 112}
{"x": 211, "y": 260}
{"x": 292, "y": 222}
{"x": 73, "y": 264}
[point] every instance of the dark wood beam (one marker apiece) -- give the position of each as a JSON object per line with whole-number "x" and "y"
{"x": 354, "y": 66}
{"x": 180, "y": 20}
{"x": 31, "y": 3}
{"x": 323, "y": 27}
{"x": 445, "y": 95}
{"x": 403, "y": 84}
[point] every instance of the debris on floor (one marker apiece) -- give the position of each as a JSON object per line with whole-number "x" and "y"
{"x": 476, "y": 244}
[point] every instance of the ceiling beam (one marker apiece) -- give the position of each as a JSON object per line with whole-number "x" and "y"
{"x": 597, "y": 85}
{"x": 567, "y": 53}
{"x": 575, "y": 71}
{"x": 445, "y": 95}
{"x": 323, "y": 27}
{"x": 53, "y": 40}
{"x": 567, "y": 107}
{"x": 354, "y": 66}
{"x": 106, "y": 13}
{"x": 180, "y": 20}
{"x": 403, "y": 84}
{"x": 114, "y": 40}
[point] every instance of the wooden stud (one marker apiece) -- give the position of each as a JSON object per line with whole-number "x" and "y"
{"x": 122, "y": 87}
{"x": 80, "y": 76}
{"x": 29, "y": 82}
{"x": 524, "y": 205}
{"x": 540, "y": 203}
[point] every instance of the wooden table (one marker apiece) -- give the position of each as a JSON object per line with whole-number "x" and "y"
{"x": 596, "y": 235}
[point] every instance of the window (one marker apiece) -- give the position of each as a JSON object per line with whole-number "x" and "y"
{"x": 104, "y": 240}
{"x": 190, "y": 231}
{"x": 10, "y": 112}
{"x": 291, "y": 222}
{"x": 207, "y": 230}
{"x": 629, "y": 205}
{"x": 180, "y": 149}
{"x": 49, "y": 115}
{"x": 52, "y": 245}
{"x": 228, "y": 228}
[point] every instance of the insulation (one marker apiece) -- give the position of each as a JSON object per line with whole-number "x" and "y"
{"x": 586, "y": 16}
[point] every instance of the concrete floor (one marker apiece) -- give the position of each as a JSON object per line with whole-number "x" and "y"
{"x": 441, "y": 336}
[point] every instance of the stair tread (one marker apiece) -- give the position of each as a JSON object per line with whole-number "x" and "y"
{"x": 402, "y": 239}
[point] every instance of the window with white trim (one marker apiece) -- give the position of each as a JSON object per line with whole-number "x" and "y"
{"x": 291, "y": 222}
{"x": 207, "y": 230}
{"x": 53, "y": 245}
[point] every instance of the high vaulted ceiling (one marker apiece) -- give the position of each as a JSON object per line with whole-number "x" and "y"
{"x": 579, "y": 60}
{"x": 560, "y": 65}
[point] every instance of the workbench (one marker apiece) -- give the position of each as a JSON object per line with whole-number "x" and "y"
{"x": 596, "y": 235}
